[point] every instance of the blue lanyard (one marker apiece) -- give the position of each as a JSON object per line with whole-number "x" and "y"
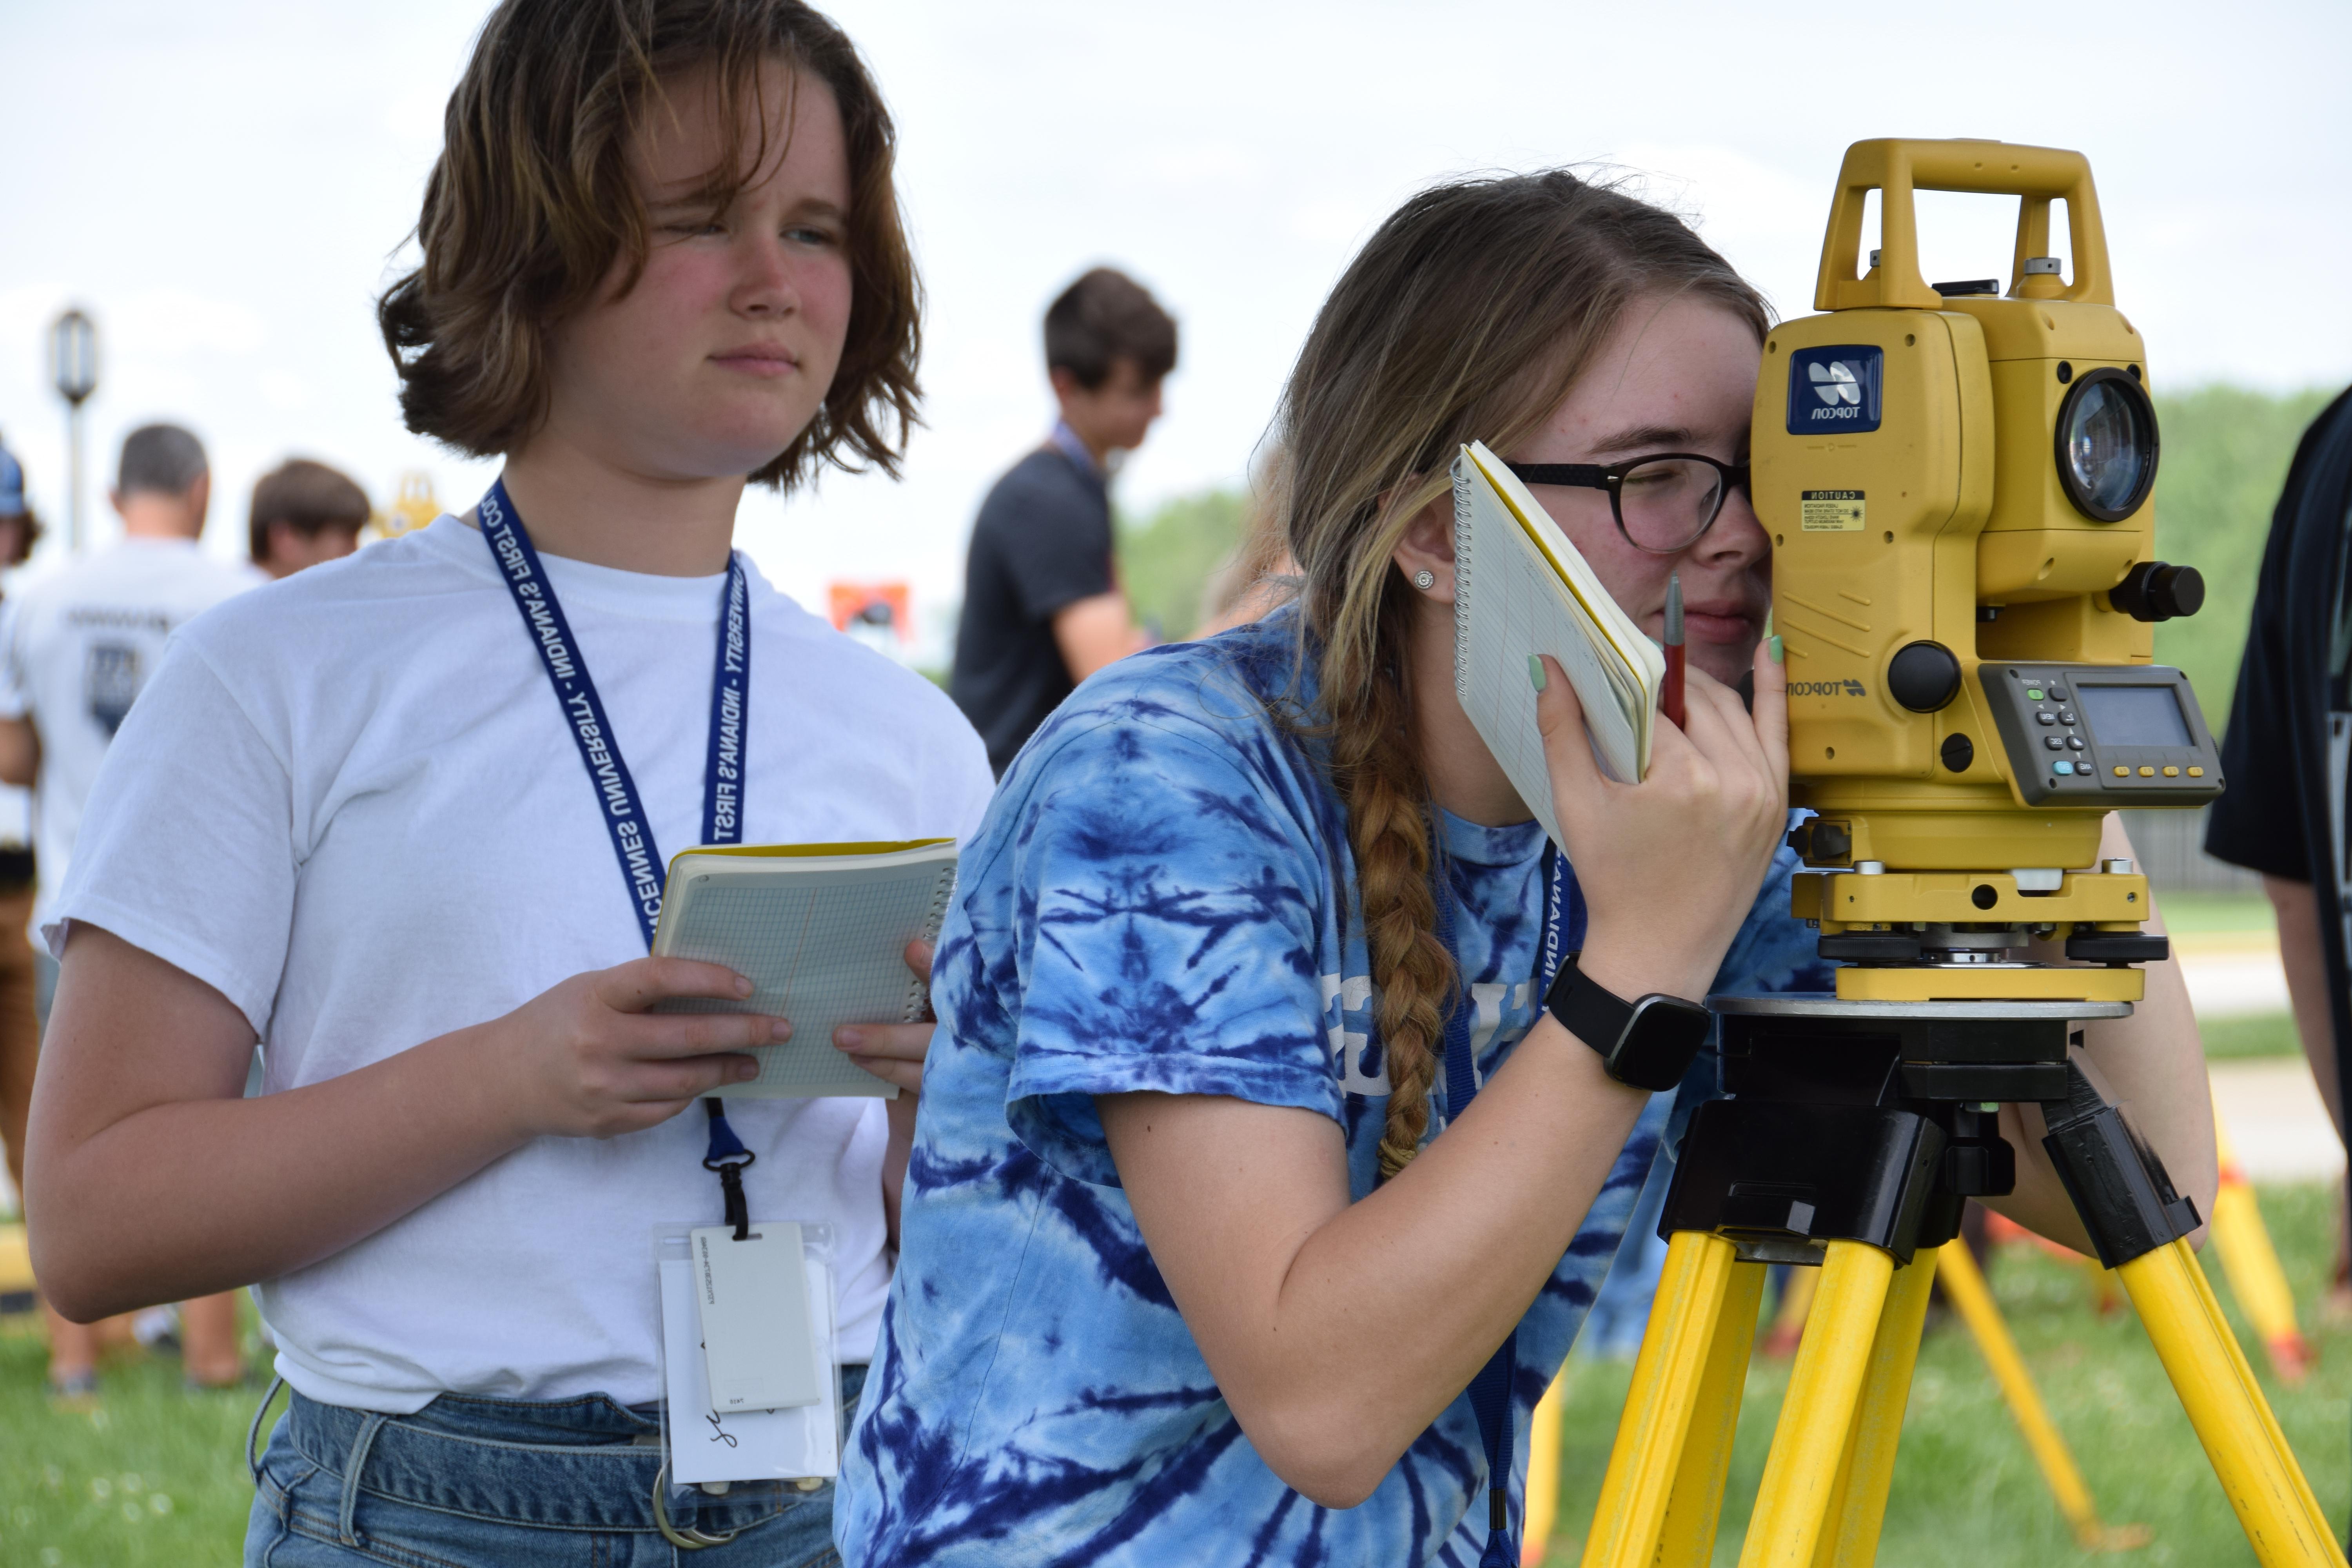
{"x": 1490, "y": 1391}
{"x": 600, "y": 752}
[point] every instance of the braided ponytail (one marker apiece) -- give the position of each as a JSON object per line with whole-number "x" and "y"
{"x": 1379, "y": 773}
{"x": 1468, "y": 315}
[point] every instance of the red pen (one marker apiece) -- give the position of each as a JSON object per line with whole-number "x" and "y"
{"x": 1671, "y": 699}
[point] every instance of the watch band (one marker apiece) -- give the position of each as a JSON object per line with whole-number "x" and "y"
{"x": 1648, "y": 1043}
{"x": 1588, "y": 1009}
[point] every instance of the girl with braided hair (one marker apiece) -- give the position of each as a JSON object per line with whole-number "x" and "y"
{"x": 1189, "y": 1271}
{"x": 1256, "y": 1195}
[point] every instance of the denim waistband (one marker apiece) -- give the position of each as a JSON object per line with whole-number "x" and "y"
{"x": 587, "y": 1463}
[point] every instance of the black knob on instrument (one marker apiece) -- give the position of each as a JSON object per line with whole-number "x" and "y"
{"x": 1923, "y": 676}
{"x": 2155, "y": 590}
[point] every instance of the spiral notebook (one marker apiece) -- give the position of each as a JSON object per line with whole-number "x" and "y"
{"x": 821, "y": 931}
{"x": 1521, "y": 588}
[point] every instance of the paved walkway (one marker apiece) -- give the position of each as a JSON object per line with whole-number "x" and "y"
{"x": 2270, "y": 1105}
{"x": 2232, "y": 973}
{"x": 2276, "y": 1119}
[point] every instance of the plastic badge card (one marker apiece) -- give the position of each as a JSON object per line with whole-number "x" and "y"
{"x": 749, "y": 1355}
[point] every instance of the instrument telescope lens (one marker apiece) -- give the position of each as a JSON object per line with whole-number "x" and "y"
{"x": 2106, "y": 445}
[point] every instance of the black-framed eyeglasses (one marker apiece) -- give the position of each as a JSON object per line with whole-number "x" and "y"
{"x": 1664, "y": 502}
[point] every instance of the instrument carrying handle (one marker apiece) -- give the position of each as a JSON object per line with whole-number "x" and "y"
{"x": 1896, "y": 168}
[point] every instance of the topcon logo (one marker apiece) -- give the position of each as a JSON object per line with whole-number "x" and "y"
{"x": 1835, "y": 383}
{"x": 1834, "y": 390}
{"x": 1826, "y": 688}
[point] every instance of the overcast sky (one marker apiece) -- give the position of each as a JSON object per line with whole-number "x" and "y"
{"x": 227, "y": 187}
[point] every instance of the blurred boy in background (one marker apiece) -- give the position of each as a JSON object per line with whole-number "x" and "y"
{"x": 1042, "y": 605}
{"x": 305, "y": 513}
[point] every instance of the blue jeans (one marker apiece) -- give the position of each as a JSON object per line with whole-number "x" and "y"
{"x": 500, "y": 1483}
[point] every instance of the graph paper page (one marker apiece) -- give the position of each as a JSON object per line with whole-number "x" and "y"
{"x": 1510, "y": 600}
{"x": 822, "y": 943}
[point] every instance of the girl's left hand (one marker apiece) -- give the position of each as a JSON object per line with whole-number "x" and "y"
{"x": 893, "y": 1052}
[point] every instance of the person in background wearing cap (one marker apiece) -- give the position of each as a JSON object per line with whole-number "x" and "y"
{"x": 80, "y": 643}
{"x": 305, "y": 514}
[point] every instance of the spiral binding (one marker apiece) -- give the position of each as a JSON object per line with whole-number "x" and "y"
{"x": 919, "y": 989}
{"x": 1460, "y": 576}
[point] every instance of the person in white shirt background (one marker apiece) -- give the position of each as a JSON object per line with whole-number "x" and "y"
{"x": 80, "y": 644}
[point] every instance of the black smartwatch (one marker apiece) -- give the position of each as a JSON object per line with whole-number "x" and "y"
{"x": 1647, "y": 1043}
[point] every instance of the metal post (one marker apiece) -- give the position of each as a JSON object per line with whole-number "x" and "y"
{"x": 73, "y": 370}
{"x": 74, "y": 528}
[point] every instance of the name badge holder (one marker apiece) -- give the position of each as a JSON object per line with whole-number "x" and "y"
{"x": 729, "y": 1325}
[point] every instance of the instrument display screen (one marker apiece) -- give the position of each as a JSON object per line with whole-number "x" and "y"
{"x": 2100, "y": 735}
{"x": 2132, "y": 715}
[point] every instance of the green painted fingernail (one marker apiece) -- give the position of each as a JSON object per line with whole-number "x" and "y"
{"x": 1772, "y": 647}
{"x": 1535, "y": 670}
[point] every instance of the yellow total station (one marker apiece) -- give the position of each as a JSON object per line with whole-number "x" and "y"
{"x": 1956, "y": 480}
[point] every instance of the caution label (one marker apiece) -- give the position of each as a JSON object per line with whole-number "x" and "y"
{"x": 1830, "y": 511}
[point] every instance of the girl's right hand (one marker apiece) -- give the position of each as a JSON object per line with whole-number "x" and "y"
{"x": 1670, "y": 867}
{"x": 585, "y": 1060}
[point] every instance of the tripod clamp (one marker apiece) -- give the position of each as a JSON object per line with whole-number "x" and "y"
{"x": 1874, "y": 1121}
{"x": 2119, "y": 1186}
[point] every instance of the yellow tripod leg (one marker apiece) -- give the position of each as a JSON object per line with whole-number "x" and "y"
{"x": 1965, "y": 1284}
{"x": 1695, "y": 1505}
{"x": 1705, "y": 1297}
{"x": 1543, "y": 1473}
{"x": 2253, "y": 1266}
{"x": 1809, "y": 1446}
{"x": 2249, "y": 1453}
{"x": 1868, "y": 1468}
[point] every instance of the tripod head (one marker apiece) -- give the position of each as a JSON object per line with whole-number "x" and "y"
{"x": 1956, "y": 484}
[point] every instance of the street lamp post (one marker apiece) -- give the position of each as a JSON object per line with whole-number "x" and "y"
{"x": 73, "y": 369}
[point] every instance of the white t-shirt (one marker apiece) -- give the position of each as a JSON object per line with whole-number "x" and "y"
{"x": 350, "y": 801}
{"x": 81, "y": 643}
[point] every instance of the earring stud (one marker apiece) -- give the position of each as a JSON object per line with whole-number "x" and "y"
{"x": 1424, "y": 580}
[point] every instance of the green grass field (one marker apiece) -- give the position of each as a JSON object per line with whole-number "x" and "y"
{"x": 2254, "y": 1035}
{"x": 1966, "y": 1492}
{"x": 152, "y": 1476}
{"x": 2197, "y": 914}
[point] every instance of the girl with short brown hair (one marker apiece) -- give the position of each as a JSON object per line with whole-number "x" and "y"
{"x": 377, "y": 817}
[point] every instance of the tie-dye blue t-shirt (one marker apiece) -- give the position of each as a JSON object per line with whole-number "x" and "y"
{"x": 1161, "y": 897}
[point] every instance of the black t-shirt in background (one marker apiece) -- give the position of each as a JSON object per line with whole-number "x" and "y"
{"x": 2291, "y": 723}
{"x": 1041, "y": 542}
